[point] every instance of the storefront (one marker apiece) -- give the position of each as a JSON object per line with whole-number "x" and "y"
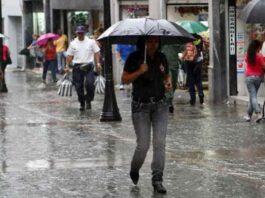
{"x": 245, "y": 33}
{"x": 195, "y": 10}
{"x": 187, "y": 10}
{"x": 133, "y": 9}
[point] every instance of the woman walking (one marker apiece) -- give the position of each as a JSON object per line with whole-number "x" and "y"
{"x": 254, "y": 71}
{"x": 149, "y": 107}
{"x": 50, "y": 61}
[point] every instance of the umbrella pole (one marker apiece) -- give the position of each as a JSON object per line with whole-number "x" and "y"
{"x": 145, "y": 53}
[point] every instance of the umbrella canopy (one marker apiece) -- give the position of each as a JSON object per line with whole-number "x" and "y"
{"x": 3, "y": 36}
{"x": 253, "y": 12}
{"x": 193, "y": 26}
{"x": 128, "y": 31}
{"x": 43, "y": 39}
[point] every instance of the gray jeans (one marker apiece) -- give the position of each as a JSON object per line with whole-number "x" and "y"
{"x": 253, "y": 84}
{"x": 145, "y": 116}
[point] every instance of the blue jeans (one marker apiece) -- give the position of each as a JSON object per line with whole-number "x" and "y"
{"x": 60, "y": 60}
{"x": 253, "y": 84}
{"x": 52, "y": 65}
{"x": 79, "y": 76}
{"x": 145, "y": 116}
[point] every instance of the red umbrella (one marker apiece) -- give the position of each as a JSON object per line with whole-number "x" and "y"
{"x": 43, "y": 39}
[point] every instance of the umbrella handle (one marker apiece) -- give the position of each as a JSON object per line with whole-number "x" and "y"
{"x": 145, "y": 51}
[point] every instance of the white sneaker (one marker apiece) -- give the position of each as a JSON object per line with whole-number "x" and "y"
{"x": 121, "y": 87}
{"x": 247, "y": 118}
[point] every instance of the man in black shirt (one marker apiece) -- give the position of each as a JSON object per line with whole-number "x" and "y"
{"x": 149, "y": 107}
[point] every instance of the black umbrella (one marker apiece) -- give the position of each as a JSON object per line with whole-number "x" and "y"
{"x": 128, "y": 31}
{"x": 253, "y": 12}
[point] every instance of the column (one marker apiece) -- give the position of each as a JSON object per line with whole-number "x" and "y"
{"x": 218, "y": 65}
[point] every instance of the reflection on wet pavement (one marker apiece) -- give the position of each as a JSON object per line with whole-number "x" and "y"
{"x": 49, "y": 149}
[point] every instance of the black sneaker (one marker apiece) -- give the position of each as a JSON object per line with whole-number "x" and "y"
{"x": 134, "y": 176}
{"x": 192, "y": 102}
{"x": 88, "y": 105}
{"x": 201, "y": 100}
{"x": 159, "y": 188}
{"x": 171, "y": 109}
{"x": 82, "y": 107}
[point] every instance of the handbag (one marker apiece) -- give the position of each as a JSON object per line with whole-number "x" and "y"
{"x": 8, "y": 59}
{"x": 25, "y": 52}
{"x": 66, "y": 86}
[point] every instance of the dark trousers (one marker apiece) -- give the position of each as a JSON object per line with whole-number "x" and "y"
{"x": 194, "y": 78}
{"x": 52, "y": 65}
{"x": 84, "y": 79}
{"x": 3, "y": 87}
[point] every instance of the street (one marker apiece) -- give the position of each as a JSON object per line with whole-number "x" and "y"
{"x": 48, "y": 148}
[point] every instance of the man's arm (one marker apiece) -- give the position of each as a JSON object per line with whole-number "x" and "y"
{"x": 98, "y": 64}
{"x": 127, "y": 77}
{"x": 68, "y": 62}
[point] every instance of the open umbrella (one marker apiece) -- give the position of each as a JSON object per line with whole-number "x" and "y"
{"x": 253, "y": 12}
{"x": 128, "y": 31}
{"x": 43, "y": 39}
{"x": 192, "y": 26}
{"x": 3, "y": 36}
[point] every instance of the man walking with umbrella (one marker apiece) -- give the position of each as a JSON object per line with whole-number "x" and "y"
{"x": 82, "y": 52}
{"x": 149, "y": 74}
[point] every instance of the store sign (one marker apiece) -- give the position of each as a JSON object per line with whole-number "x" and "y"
{"x": 187, "y": 1}
{"x": 232, "y": 30}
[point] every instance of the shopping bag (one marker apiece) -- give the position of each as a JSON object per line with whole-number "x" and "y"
{"x": 66, "y": 86}
{"x": 100, "y": 84}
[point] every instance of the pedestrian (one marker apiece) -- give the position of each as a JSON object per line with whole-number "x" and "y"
{"x": 50, "y": 61}
{"x": 61, "y": 46}
{"x": 150, "y": 81}
{"x": 171, "y": 52}
{"x": 34, "y": 49}
{"x": 5, "y": 59}
{"x": 122, "y": 53}
{"x": 193, "y": 68}
{"x": 82, "y": 51}
{"x": 199, "y": 63}
{"x": 254, "y": 71}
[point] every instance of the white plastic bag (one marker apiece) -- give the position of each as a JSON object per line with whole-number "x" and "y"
{"x": 66, "y": 86}
{"x": 182, "y": 76}
{"x": 100, "y": 84}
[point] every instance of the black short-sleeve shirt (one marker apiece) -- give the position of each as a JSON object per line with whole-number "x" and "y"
{"x": 151, "y": 83}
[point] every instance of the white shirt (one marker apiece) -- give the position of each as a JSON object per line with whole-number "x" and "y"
{"x": 83, "y": 51}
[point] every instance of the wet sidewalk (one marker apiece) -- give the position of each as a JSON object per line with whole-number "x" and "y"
{"x": 49, "y": 149}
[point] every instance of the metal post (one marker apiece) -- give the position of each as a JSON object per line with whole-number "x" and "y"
{"x": 110, "y": 110}
{"x": 47, "y": 13}
{"x": 1, "y": 24}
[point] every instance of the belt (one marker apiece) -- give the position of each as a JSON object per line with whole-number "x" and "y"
{"x": 148, "y": 100}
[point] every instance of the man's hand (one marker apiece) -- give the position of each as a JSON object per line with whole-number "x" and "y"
{"x": 99, "y": 67}
{"x": 66, "y": 69}
{"x": 168, "y": 86}
{"x": 143, "y": 68}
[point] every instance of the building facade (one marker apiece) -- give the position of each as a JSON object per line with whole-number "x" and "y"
{"x": 12, "y": 27}
{"x": 229, "y": 36}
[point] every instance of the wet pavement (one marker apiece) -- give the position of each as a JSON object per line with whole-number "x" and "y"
{"x": 49, "y": 149}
